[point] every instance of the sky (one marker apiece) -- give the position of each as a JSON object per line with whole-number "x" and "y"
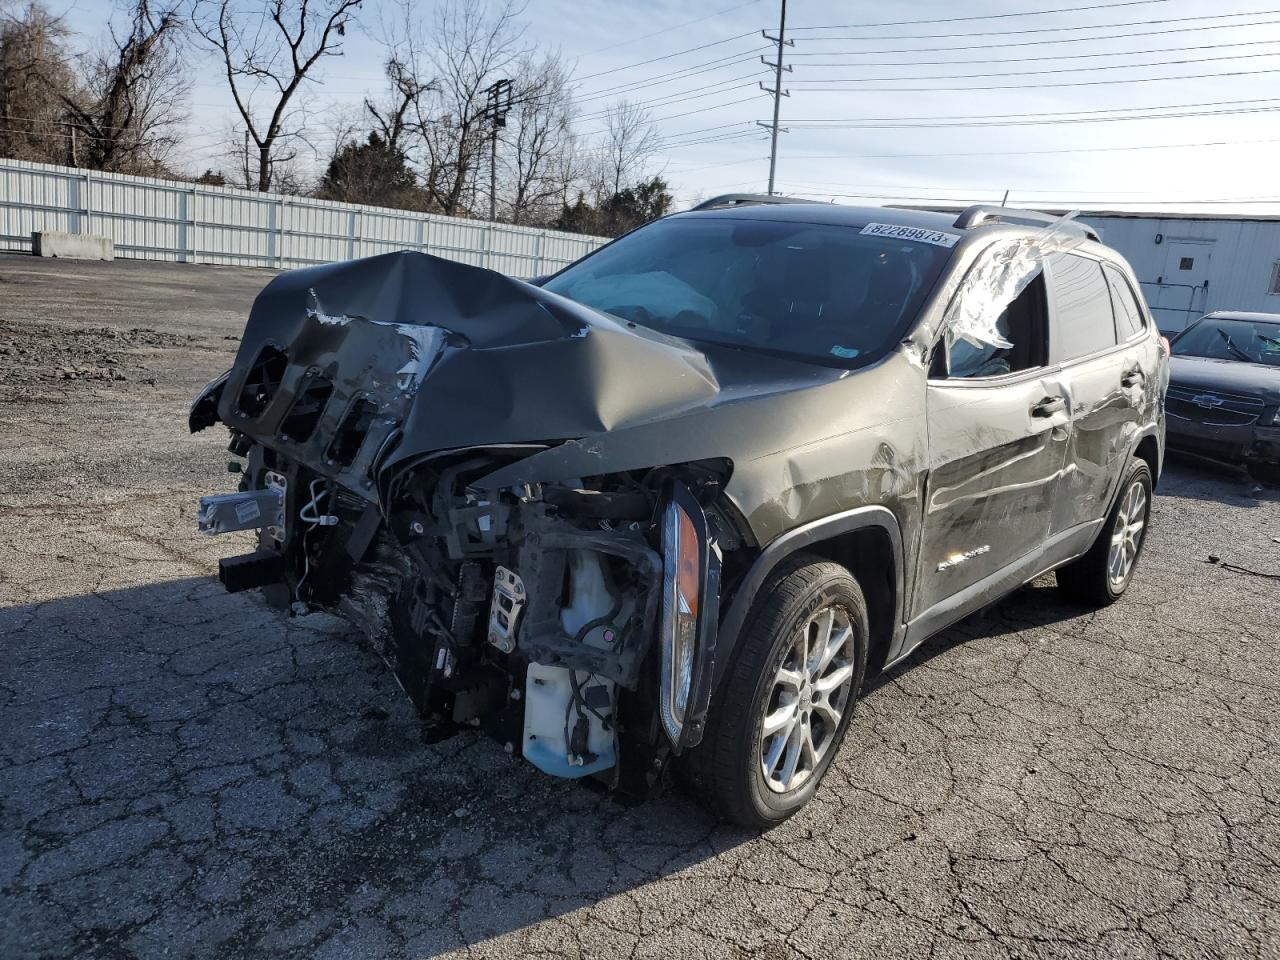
{"x": 950, "y": 108}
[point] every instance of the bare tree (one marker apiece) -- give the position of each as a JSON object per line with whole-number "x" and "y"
{"x": 267, "y": 54}
{"x": 394, "y": 116}
{"x": 630, "y": 142}
{"x": 35, "y": 76}
{"x": 539, "y": 149}
{"x": 128, "y": 108}
{"x": 472, "y": 48}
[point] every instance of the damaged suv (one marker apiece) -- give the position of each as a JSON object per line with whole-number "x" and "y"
{"x": 677, "y": 501}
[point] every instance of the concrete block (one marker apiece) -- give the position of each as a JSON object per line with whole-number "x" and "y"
{"x": 72, "y": 246}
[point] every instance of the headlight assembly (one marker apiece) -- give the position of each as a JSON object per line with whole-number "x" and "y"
{"x": 690, "y": 593}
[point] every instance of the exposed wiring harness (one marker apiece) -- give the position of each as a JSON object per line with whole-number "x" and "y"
{"x": 308, "y": 515}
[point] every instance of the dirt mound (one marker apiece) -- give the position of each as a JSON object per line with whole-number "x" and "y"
{"x": 40, "y": 352}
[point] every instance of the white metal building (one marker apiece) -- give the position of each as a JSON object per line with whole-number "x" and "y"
{"x": 1191, "y": 264}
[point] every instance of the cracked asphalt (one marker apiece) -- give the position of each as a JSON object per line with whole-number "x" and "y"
{"x": 183, "y": 774}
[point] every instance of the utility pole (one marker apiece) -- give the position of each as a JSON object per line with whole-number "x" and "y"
{"x": 777, "y": 92}
{"x": 496, "y": 108}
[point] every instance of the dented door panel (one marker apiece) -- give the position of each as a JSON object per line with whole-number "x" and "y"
{"x": 996, "y": 457}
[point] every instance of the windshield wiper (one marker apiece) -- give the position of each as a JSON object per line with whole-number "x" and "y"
{"x": 1233, "y": 348}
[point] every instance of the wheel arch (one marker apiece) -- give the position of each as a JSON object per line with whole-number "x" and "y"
{"x": 865, "y": 540}
{"x": 1148, "y": 449}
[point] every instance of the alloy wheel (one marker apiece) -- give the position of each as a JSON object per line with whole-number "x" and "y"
{"x": 810, "y": 694}
{"x": 1126, "y": 534}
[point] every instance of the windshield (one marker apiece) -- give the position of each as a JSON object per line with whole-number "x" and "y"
{"x": 1249, "y": 341}
{"x": 815, "y": 290}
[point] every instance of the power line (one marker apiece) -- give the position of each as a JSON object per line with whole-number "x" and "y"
{"x": 1071, "y": 29}
{"x": 1039, "y": 123}
{"x": 1067, "y": 198}
{"x": 1046, "y": 86}
{"x": 1052, "y": 56}
{"x": 669, "y": 56}
{"x": 687, "y": 113}
{"x": 1019, "y": 153}
{"x": 684, "y": 73}
{"x": 1060, "y": 113}
{"x": 1032, "y": 73}
{"x": 971, "y": 188}
{"x": 687, "y": 23}
{"x": 712, "y": 90}
{"x": 1032, "y": 43}
{"x": 989, "y": 16}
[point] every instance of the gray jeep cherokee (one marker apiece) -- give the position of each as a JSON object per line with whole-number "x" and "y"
{"x": 675, "y": 502}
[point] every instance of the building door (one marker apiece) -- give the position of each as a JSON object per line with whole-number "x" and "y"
{"x": 1181, "y": 293}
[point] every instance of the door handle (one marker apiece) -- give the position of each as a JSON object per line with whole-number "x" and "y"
{"x": 1132, "y": 379}
{"x": 1048, "y": 407}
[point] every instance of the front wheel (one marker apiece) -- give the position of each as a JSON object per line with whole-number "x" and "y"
{"x": 1104, "y": 573}
{"x": 782, "y": 711}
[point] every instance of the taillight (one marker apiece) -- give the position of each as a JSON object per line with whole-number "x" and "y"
{"x": 1166, "y": 346}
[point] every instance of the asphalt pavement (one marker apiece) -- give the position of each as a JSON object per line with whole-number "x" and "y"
{"x": 184, "y": 774}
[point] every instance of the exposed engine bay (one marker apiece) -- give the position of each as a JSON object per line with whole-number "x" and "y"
{"x": 573, "y": 619}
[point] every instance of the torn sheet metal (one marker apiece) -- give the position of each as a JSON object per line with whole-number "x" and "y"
{"x": 455, "y": 356}
{"x": 998, "y": 278}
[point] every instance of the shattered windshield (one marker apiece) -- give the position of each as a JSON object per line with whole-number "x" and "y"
{"x": 1219, "y": 338}
{"x": 816, "y": 290}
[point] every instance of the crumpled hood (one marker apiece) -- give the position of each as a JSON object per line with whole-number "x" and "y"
{"x": 458, "y": 356}
{"x": 1229, "y": 376}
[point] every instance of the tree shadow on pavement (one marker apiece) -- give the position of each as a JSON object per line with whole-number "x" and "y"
{"x": 185, "y": 773}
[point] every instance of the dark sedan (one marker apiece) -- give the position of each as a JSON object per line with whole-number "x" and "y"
{"x": 1224, "y": 390}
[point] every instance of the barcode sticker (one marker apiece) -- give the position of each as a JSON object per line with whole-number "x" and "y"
{"x": 893, "y": 231}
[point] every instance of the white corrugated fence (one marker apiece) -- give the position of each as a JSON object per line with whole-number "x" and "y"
{"x": 152, "y": 219}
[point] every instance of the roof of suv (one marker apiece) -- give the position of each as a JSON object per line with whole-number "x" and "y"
{"x": 1243, "y": 315}
{"x": 756, "y": 207}
{"x": 828, "y": 213}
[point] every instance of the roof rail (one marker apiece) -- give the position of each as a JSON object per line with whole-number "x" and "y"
{"x": 981, "y": 213}
{"x": 743, "y": 199}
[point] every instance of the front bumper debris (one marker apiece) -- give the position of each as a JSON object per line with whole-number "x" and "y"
{"x": 246, "y": 510}
{"x": 531, "y": 609}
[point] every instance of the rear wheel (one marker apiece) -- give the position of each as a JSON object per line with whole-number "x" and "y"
{"x": 1103, "y": 574}
{"x": 1264, "y": 472}
{"x": 782, "y": 711}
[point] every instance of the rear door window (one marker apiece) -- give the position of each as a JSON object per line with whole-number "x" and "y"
{"x": 1083, "y": 322}
{"x": 1129, "y": 322}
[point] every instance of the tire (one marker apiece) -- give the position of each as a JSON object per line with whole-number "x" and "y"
{"x": 1098, "y": 578}
{"x": 1264, "y": 472}
{"x": 728, "y": 768}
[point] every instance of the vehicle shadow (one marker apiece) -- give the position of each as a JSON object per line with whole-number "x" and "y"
{"x": 1037, "y": 604}
{"x": 1212, "y": 481}
{"x": 186, "y": 774}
